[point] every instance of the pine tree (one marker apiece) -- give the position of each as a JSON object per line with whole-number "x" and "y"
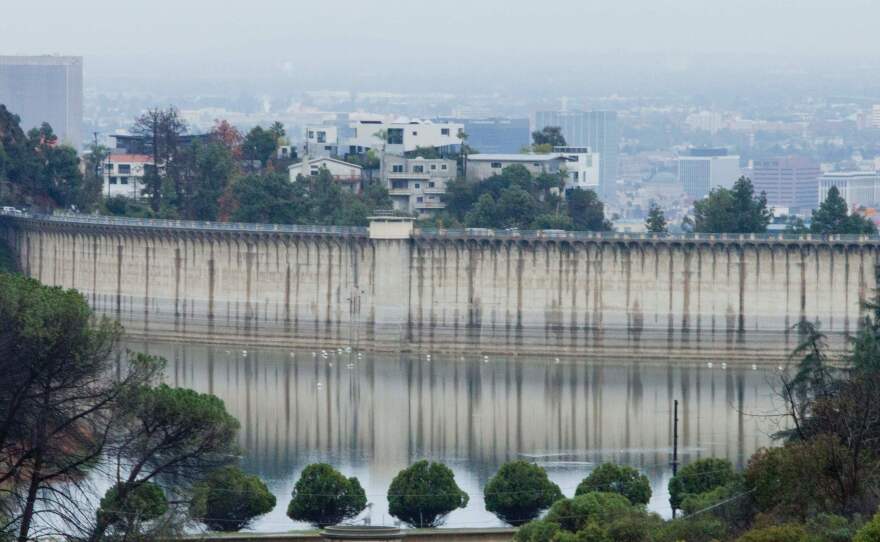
{"x": 656, "y": 221}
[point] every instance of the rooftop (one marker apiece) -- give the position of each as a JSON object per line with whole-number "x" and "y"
{"x": 514, "y": 157}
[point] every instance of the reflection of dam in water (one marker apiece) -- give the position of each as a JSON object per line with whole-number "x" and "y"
{"x": 373, "y": 415}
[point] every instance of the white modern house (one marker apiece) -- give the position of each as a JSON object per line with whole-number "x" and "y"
{"x": 346, "y": 174}
{"x": 417, "y": 185}
{"x": 124, "y": 174}
{"x": 395, "y": 136}
{"x": 579, "y": 165}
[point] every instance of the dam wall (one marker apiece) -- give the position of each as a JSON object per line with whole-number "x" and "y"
{"x": 471, "y": 291}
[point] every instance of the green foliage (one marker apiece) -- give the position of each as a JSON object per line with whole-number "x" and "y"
{"x": 36, "y": 169}
{"x": 209, "y": 170}
{"x": 229, "y": 499}
{"x": 698, "y": 529}
{"x": 180, "y": 432}
{"x": 549, "y": 135}
{"x": 424, "y": 493}
{"x": 611, "y": 478}
{"x": 832, "y": 217}
{"x": 269, "y": 198}
{"x": 698, "y": 477}
{"x": 260, "y": 144}
{"x": 143, "y": 502}
{"x": 322, "y": 496}
{"x": 519, "y": 491}
{"x": 123, "y": 206}
{"x": 832, "y": 528}
{"x": 516, "y": 199}
{"x": 656, "y": 221}
{"x": 735, "y": 210}
{"x": 537, "y": 531}
{"x": 870, "y": 532}
{"x": 776, "y": 533}
{"x": 600, "y": 508}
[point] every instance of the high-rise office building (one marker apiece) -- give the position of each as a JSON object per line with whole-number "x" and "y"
{"x": 595, "y": 129}
{"x": 701, "y": 170}
{"x": 45, "y": 89}
{"x": 495, "y": 135}
{"x": 791, "y": 182}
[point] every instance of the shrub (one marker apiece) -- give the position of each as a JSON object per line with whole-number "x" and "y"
{"x": 519, "y": 492}
{"x": 698, "y": 529}
{"x": 424, "y": 493}
{"x": 537, "y": 531}
{"x": 870, "y": 532}
{"x": 144, "y": 502}
{"x": 698, "y": 477}
{"x": 229, "y": 499}
{"x": 611, "y": 478}
{"x": 790, "y": 532}
{"x": 599, "y": 508}
{"x": 322, "y": 496}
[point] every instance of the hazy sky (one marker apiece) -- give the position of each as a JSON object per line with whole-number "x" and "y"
{"x": 461, "y": 37}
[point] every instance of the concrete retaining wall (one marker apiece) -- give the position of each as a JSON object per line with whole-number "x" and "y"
{"x": 605, "y": 296}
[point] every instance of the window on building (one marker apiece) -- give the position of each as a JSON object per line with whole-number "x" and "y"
{"x": 430, "y": 184}
{"x": 314, "y": 171}
{"x": 352, "y": 149}
{"x": 418, "y": 169}
{"x": 123, "y": 180}
{"x": 398, "y": 185}
{"x": 395, "y": 136}
{"x": 444, "y": 131}
{"x": 443, "y": 167}
{"x": 311, "y": 134}
{"x": 415, "y": 133}
{"x": 397, "y": 168}
{"x": 322, "y": 137}
{"x": 420, "y": 199}
{"x": 124, "y": 169}
{"x": 496, "y": 165}
{"x": 113, "y": 180}
{"x": 110, "y": 167}
{"x": 574, "y": 175}
{"x": 328, "y": 147}
{"x": 433, "y": 167}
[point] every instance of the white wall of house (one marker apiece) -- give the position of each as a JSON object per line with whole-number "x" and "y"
{"x": 348, "y": 175}
{"x": 124, "y": 174}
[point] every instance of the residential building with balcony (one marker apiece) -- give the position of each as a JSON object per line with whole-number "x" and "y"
{"x": 124, "y": 174}
{"x": 349, "y": 176}
{"x": 417, "y": 185}
{"x": 347, "y": 137}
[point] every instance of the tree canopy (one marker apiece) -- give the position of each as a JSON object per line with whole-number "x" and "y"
{"x": 656, "y": 220}
{"x": 734, "y": 210}
{"x": 832, "y": 217}
{"x": 519, "y": 491}
{"x": 612, "y": 478}
{"x": 424, "y": 493}
{"x": 550, "y": 136}
{"x": 229, "y": 499}
{"x": 323, "y": 496}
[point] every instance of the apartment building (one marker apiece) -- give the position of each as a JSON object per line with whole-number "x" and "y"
{"x": 349, "y": 176}
{"x": 580, "y": 166}
{"x": 416, "y": 185}
{"x": 398, "y": 136}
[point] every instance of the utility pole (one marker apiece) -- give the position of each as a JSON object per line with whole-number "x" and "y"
{"x": 674, "y": 443}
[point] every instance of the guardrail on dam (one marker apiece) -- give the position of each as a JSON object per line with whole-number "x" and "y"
{"x": 557, "y": 293}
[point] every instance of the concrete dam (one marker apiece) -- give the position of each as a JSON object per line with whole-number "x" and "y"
{"x": 469, "y": 291}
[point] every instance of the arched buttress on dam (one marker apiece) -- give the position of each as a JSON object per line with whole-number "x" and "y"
{"x": 573, "y": 294}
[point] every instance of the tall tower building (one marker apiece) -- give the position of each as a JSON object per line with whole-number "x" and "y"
{"x": 595, "y": 129}
{"x": 45, "y": 89}
{"x": 791, "y": 182}
{"x": 701, "y": 170}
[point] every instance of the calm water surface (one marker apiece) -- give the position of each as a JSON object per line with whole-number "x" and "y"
{"x": 372, "y": 415}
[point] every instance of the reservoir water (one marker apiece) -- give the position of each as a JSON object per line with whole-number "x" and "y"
{"x": 370, "y": 415}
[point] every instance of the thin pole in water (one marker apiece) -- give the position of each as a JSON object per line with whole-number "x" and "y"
{"x": 674, "y": 444}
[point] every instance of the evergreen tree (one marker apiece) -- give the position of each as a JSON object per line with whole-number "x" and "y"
{"x": 656, "y": 221}
{"x": 735, "y": 210}
{"x": 832, "y": 218}
{"x": 323, "y": 496}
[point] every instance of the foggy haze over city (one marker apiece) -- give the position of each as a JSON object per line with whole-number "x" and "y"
{"x": 565, "y": 47}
